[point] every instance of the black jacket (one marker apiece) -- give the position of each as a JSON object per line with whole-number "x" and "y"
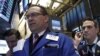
{"x": 83, "y": 48}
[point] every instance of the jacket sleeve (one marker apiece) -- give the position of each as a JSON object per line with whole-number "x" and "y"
{"x": 19, "y": 53}
{"x": 68, "y": 47}
{"x": 19, "y": 50}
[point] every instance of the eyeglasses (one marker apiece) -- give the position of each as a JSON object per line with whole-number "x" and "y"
{"x": 33, "y": 15}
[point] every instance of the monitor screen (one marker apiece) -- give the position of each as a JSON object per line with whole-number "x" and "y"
{"x": 79, "y": 12}
{"x": 75, "y": 15}
{"x": 83, "y": 10}
{"x": 68, "y": 21}
{"x": 25, "y": 4}
{"x": 71, "y": 19}
{"x": 6, "y": 9}
{"x": 21, "y": 7}
{"x": 3, "y": 47}
{"x": 56, "y": 25}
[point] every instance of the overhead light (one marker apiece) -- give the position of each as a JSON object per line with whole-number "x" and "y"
{"x": 55, "y": 5}
{"x": 34, "y": 1}
{"x": 44, "y": 3}
{"x": 60, "y": 0}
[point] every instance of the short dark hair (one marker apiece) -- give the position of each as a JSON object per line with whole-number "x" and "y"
{"x": 12, "y": 32}
{"x": 91, "y": 19}
{"x": 43, "y": 10}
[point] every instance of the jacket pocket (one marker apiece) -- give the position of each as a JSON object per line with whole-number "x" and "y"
{"x": 51, "y": 51}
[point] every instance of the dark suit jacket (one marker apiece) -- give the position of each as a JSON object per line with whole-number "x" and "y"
{"x": 83, "y": 48}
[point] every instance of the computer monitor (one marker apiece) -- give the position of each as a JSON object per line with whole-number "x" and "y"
{"x": 20, "y": 8}
{"x": 25, "y": 4}
{"x": 55, "y": 24}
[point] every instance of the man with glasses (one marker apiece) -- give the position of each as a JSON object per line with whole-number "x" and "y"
{"x": 90, "y": 45}
{"x": 42, "y": 41}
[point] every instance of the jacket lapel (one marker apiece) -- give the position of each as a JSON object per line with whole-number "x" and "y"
{"x": 41, "y": 43}
{"x": 97, "y": 50}
{"x": 26, "y": 47}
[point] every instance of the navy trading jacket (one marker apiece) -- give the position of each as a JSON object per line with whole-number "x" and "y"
{"x": 51, "y": 44}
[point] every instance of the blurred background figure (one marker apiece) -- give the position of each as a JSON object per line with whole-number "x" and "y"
{"x": 11, "y": 36}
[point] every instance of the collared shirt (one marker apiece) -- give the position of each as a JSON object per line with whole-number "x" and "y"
{"x": 84, "y": 48}
{"x": 95, "y": 41}
{"x": 40, "y": 33}
{"x": 35, "y": 39}
{"x": 94, "y": 46}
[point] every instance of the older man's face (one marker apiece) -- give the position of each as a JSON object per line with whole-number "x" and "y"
{"x": 36, "y": 20}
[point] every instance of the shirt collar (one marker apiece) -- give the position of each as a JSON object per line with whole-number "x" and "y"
{"x": 40, "y": 33}
{"x": 95, "y": 41}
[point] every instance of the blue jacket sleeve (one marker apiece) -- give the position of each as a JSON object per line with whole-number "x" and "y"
{"x": 67, "y": 46}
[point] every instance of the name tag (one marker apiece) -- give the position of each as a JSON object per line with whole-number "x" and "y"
{"x": 52, "y": 37}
